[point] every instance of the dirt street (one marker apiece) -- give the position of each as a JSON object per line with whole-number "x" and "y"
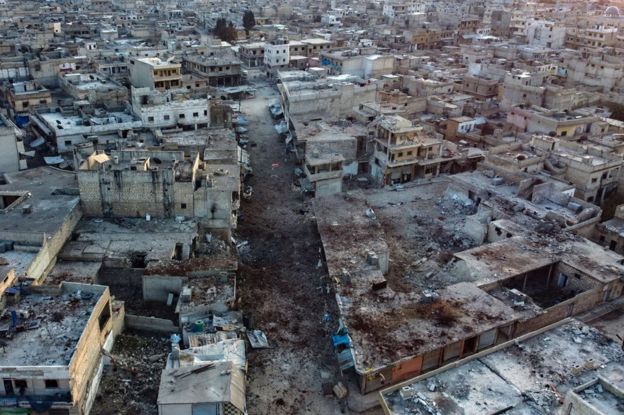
{"x": 281, "y": 285}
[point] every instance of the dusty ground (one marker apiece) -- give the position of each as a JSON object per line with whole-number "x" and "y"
{"x": 612, "y": 325}
{"x": 130, "y": 384}
{"x": 422, "y": 229}
{"x": 281, "y": 285}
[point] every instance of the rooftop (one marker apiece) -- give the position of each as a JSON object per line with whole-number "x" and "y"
{"x": 385, "y": 324}
{"x": 531, "y": 375}
{"x": 48, "y": 326}
{"x": 49, "y": 197}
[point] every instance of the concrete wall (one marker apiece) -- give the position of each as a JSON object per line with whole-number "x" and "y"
{"x": 9, "y": 156}
{"x": 180, "y": 409}
{"x": 88, "y": 354}
{"x": 158, "y": 287}
{"x": 126, "y": 192}
{"x": 150, "y": 324}
{"x": 328, "y": 187}
{"x": 46, "y": 257}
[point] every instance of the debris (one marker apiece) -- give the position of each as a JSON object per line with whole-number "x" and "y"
{"x": 431, "y": 386}
{"x": 340, "y": 390}
{"x": 156, "y": 357}
{"x": 370, "y": 213}
{"x": 258, "y": 339}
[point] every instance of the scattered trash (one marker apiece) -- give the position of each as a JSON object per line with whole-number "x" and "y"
{"x": 370, "y": 213}
{"x": 247, "y": 192}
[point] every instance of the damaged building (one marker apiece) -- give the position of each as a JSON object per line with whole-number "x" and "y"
{"x": 506, "y": 266}
{"x": 53, "y": 340}
{"x": 162, "y": 184}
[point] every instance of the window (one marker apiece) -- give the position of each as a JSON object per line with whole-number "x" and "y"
{"x": 195, "y": 114}
{"x": 68, "y": 142}
{"x": 150, "y": 119}
{"x": 21, "y": 385}
{"x": 104, "y": 316}
{"x": 205, "y": 112}
{"x": 166, "y": 117}
{"x": 181, "y": 116}
{"x": 183, "y": 206}
{"x": 25, "y": 104}
{"x": 43, "y": 101}
{"x": 51, "y": 383}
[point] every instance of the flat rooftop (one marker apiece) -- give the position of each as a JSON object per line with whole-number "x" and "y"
{"x": 520, "y": 254}
{"x": 529, "y": 376}
{"x": 52, "y": 197}
{"x": 119, "y": 238}
{"x": 386, "y": 325}
{"x": 49, "y": 327}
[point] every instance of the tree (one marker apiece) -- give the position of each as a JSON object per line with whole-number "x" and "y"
{"x": 230, "y": 33}
{"x": 220, "y": 28}
{"x": 249, "y": 21}
{"x": 225, "y": 31}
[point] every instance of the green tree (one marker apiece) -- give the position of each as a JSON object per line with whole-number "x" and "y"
{"x": 220, "y": 28}
{"x": 249, "y": 21}
{"x": 224, "y": 30}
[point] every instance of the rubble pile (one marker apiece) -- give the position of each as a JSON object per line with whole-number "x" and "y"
{"x": 130, "y": 382}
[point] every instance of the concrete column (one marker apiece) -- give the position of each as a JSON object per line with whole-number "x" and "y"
{"x": 524, "y": 282}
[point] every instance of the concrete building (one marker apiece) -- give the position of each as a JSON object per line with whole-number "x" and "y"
{"x": 160, "y": 184}
{"x": 458, "y": 126}
{"x": 560, "y": 123}
{"x": 509, "y": 379}
{"x": 11, "y": 146}
{"x": 404, "y": 152}
{"x": 356, "y": 63}
{"x": 596, "y": 36}
{"x": 40, "y": 208}
{"x": 27, "y": 96}
{"x": 170, "y": 109}
{"x": 220, "y": 70}
{"x": 252, "y": 54}
{"x": 610, "y": 233}
{"x": 480, "y": 87}
{"x": 545, "y": 34}
{"x": 64, "y": 131}
{"x": 324, "y": 172}
{"x": 94, "y": 88}
{"x": 43, "y": 371}
{"x": 155, "y": 73}
{"x": 276, "y": 54}
{"x": 305, "y": 98}
{"x": 597, "y": 70}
